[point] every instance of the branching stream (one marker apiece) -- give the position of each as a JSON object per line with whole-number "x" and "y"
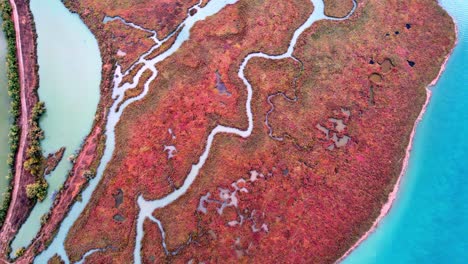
{"x": 182, "y": 34}
{"x": 148, "y": 207}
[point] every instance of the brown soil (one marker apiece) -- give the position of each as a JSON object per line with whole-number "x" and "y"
{"x": 386, "y": 65}
{"x": 163, "y": 47}
{"x": 375, "y": 78}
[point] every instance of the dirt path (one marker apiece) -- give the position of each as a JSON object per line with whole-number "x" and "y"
{"x": 26, "y": 54}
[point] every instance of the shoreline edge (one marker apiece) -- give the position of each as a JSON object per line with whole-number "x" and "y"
{"x": 393, "y": 194}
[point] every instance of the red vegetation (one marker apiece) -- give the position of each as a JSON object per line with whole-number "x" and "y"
{"x": 314, "y": 201}
{"x": 162, "y": 16}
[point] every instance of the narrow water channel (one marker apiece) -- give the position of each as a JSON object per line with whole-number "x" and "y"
{"x": 147, "y": 207}
{"x": 5, "y": 118}
{"x": 213, "y": 7}
{"x": 70, "y": 75}
{"x": 438, "y": 192}
{"x": 429, "y": 220}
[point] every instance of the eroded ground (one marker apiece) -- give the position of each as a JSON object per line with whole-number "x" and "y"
{"x": 311, "y": 177}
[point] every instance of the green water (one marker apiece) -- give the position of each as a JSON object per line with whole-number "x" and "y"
{"x": 70, "y": 74}
{"x": 4, "y": 116}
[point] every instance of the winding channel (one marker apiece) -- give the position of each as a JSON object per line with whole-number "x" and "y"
{"x": 148, "y": 207}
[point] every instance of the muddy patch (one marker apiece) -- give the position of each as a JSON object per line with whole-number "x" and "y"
{"x": 339, "y": 124}
{"x": 220, "y": 86}
{"x": 118, "y": 198}
{"x": 375, "y": 78}
{"x": 386, "y": 65}
{"x": 119, "y": 218}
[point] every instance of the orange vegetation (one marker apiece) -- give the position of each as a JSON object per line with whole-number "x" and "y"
{"x": 321, "y": 186}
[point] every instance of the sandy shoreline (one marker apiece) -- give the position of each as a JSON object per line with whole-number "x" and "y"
{"x": 393, "y": 194}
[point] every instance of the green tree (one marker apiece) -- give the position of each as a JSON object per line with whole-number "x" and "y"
{"x": 37, "y": 190}
{"x": 20, "y": 252}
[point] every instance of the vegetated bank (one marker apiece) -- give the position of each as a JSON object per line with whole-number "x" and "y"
{"x": 14, "y": 93}
{"x": 5, "y": 119}
{"x": 25, "y": 160}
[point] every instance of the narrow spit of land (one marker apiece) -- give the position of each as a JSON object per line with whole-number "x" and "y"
{"x": 26, "y": 55}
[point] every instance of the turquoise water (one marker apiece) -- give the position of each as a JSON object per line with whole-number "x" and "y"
{"x": 70, "y": 74}
{"x": 429, "y": 220}
{"x": 4, "y": 116}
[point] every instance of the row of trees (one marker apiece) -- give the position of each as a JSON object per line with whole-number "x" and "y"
{"x": 35, "y": 163}
{"x": 14, "y": 93}
{"x": 35, "y": 160}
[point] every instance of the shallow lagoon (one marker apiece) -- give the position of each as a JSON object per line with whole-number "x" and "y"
{"x": 70, "y": 75}
{"x": 429, "y": 220}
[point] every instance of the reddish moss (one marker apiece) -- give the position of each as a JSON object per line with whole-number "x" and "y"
{"x": 314, "y": 199}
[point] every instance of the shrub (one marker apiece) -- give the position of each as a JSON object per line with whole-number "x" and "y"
{"x": 38, "y": 110}
{"x": 20, "y": 252}
{"x": 44, "y": 218}
{"x": 37, "y": 190}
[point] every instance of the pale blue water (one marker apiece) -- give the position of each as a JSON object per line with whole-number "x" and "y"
{"x": 429, "y": 220}
{"x": 70, "y": 74}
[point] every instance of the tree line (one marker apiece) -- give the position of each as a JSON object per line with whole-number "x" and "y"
{"x": 14, "y": 93}
{"x": 34, "y": 160}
